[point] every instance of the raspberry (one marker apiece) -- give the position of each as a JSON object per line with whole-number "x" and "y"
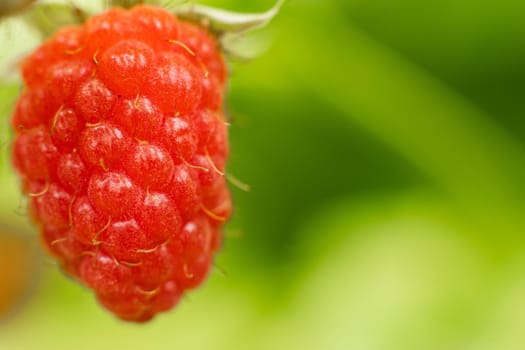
{"x": 121, "y": 144}
{"x": 19, "y": 263}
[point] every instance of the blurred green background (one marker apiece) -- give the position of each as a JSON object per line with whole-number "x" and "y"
{"x": 383, "y": 141}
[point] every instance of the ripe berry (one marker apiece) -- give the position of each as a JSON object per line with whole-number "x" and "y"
{"x": 121, "y": 144}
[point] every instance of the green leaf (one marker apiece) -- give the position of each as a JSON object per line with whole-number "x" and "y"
{"x": 456, "y": 144}
{"x": 402, "y": 275}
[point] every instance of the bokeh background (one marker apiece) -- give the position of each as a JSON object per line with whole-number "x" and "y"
{"x": 384, "y": 144}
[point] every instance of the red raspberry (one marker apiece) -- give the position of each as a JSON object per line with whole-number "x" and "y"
{"x": 121, "y": 145}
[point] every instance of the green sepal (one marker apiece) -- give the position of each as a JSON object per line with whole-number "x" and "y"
{"x": 222, "y": 21}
